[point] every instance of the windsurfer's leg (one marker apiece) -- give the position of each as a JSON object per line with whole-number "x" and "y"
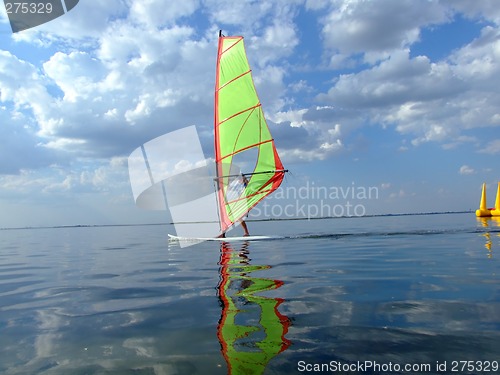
{"x": 222, "y": 235}
{"x": 245, "y": 228}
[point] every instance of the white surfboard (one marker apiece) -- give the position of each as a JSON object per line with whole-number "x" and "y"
{"x": 224, "y": 239}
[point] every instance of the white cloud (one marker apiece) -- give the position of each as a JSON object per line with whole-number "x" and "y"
{"x": 22, "y": 84}
{"x": 77, "y": 74}
{"x": 149, "y": 80}
{"x": 238, "y": 13}
{"x": 400, "y": 194}
{"x": 465, "y": 170}
{"x": 109, "y": 176}
{"x": 138, "y": 73}
{"x": 155, "y": 14}
{"x": 492, "y": 147}
{"x": 308, "y": 134}
{"x": 397, "y": 80}
{"x": 278, "y": 41}
{"x": 294, "y": 155}
{"x": 26, "y": 105}
{"x": 145, "y": 70}
{"x": 353, "y": 26}
{"x": 476, "y": 9}
{"x": 433, "y": 102}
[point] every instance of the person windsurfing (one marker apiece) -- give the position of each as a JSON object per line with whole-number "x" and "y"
{"x": 235, "y": 190}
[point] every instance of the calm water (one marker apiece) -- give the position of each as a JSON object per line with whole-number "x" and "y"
{"x": 406, "y": 290}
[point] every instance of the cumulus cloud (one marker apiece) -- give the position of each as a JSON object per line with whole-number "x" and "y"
{"x": 364, "y": 26}
{"x": 141, "y": 72}
{"x": 114, "y": 75}
{"x": 136, "y": 86}
{"x": 430, "y": 101}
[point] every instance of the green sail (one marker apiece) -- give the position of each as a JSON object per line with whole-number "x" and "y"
{"x": 241, "y": 128}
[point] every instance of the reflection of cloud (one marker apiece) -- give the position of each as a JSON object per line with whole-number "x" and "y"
{"x": 339, "y": 314}
{"x": 47, "y": 342}
{"x": 143, "y": 347}
{"x": 445, "y": 315}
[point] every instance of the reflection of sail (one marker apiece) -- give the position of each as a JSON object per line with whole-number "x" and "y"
{"x": 259, "y": 335}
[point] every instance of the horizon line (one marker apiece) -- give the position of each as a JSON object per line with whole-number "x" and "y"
{"x": 249, "y": 220}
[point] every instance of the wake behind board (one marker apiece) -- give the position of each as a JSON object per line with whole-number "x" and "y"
{"x": 224, "y": 239}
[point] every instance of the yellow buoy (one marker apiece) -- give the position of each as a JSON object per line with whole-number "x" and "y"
{"x": 483, "y": 210}
{"x": 496, "y": 210}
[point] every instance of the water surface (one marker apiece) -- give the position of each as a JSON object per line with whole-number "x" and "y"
{"x": 123, "y": 300}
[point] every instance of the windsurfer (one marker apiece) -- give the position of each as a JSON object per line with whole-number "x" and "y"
{"x": 235, "y": 190}
{"x": 243, "y": 224}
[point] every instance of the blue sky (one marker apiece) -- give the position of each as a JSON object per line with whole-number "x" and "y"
{"x": 400, "y": 95}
